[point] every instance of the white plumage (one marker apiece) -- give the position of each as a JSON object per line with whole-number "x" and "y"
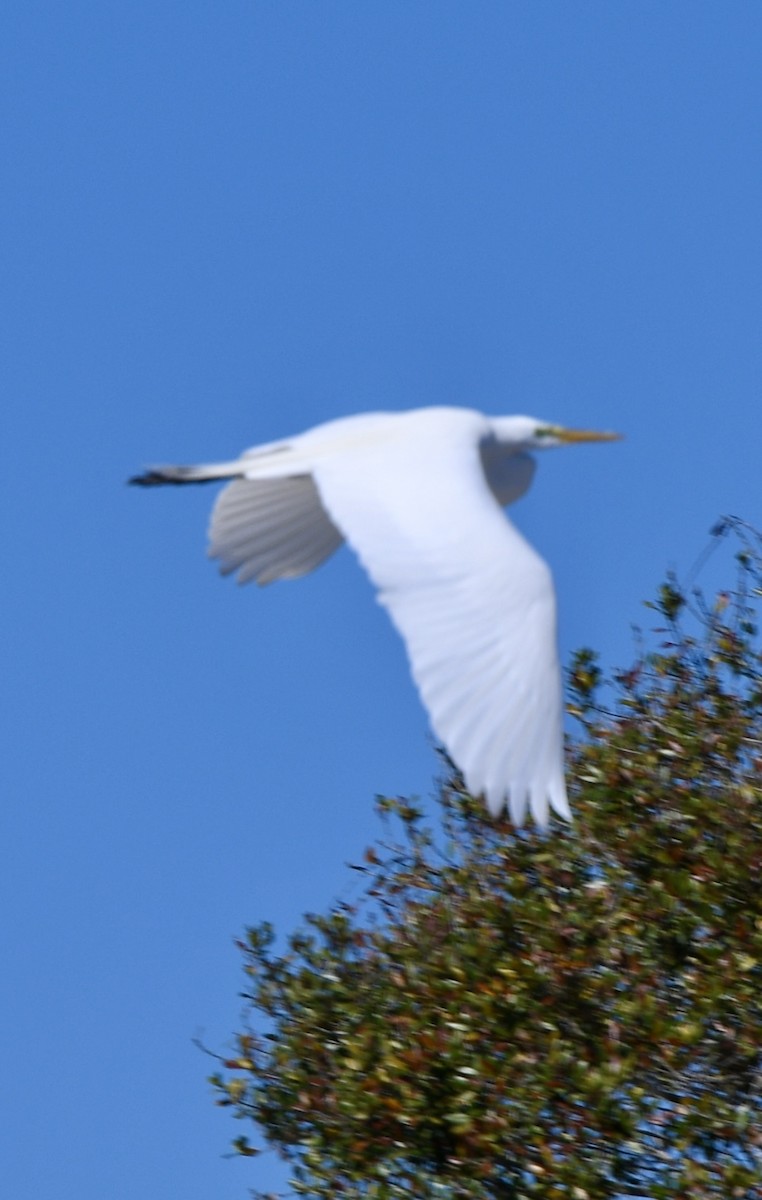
{"x": 418, "y": 496}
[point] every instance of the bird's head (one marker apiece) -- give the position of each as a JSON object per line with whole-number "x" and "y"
{"x": 529, "y": 433}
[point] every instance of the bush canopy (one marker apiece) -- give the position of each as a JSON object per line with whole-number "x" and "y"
{"x": 512, "y": 1014}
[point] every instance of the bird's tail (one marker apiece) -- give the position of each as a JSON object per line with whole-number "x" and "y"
{"x": 203, "y": 473}
{"x": 267, "y": 461}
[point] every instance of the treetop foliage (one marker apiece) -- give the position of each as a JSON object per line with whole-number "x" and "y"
{"x": 507, "y": 1014}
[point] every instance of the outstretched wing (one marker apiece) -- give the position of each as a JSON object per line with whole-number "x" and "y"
{"x": 473, "y": 601}
{"x": 269, "y": 529}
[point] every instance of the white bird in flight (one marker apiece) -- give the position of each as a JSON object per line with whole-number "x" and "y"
{"x": 418, "y": 495}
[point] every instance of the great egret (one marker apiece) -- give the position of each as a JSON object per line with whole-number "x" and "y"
{"x": 418, "y": 495}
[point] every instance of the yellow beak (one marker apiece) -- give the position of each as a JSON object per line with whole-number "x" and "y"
{"x": 584, "y": 435}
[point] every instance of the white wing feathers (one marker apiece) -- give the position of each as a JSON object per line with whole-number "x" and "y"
{"x": 472, "y": 600}
{"x": 418, "y": 497}
{"x": 269, "y": 529}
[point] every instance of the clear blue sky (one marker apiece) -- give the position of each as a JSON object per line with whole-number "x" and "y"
{"x": 221, "y": 224}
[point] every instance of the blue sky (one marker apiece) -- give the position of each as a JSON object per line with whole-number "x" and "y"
{"x": 224, "y": 223}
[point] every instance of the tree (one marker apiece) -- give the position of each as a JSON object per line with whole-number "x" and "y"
{"x": 508, "y": 1014}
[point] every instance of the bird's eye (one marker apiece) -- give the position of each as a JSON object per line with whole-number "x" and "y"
{"x": 544, "y": 431}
